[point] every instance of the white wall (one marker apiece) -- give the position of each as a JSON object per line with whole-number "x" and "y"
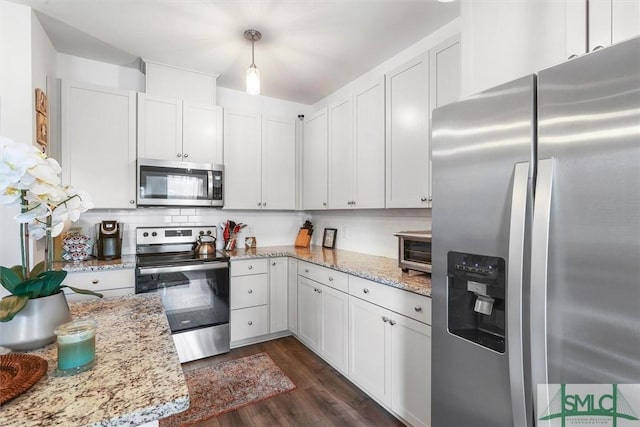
{"x": 369, "y": 231}
{"x": 99, "y": 73}
{"x": 16, "y": 105}
{"x": 271, "y": 228}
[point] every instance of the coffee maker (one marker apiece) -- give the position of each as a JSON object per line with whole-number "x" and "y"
{"x": 109, "y": 240}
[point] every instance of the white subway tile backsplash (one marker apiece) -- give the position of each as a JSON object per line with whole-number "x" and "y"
{"x": 187, "y": 211}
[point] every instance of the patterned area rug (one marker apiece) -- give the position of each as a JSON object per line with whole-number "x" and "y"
{"x": 230, "y": 385}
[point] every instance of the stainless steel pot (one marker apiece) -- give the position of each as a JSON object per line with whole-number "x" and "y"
{"x": 206, "y": 245}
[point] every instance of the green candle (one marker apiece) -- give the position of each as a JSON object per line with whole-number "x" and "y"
{"x": 76, "y": 346}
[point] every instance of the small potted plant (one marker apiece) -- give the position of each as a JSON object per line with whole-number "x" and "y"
{"x": 30, "y": 180}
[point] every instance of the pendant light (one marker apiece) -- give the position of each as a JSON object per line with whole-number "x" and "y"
{"x": 253, "y": 75}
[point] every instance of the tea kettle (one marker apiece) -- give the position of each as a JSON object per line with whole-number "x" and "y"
{"x": 206, "y": 245}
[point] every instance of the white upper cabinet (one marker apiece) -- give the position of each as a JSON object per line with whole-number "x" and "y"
{"x": 595, "y": 24}
{"x": 341, "y": 155}
{"x": 172, "y": 129}
{"x": 444, "y": 80}
{"x": 260, "y": 161}
{"x": 503, "y": 40}
{"x": 368, "y": 122}
{"x": 278, "y": 163}
{"x": 242, "y": 152}
{"x": 314, "y": 162}
{"x": 99, "y": 143}
{"x": 407, "y": 149}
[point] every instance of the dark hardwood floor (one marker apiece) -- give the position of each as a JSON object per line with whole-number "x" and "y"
{"x": 323, "y": 397}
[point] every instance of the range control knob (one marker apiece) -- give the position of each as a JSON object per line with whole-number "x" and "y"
{"x": 154, "y": 234}
{"x": 145, "y": 234}
{"x": 201, "y": 233}
{"x": 209, "y": 232}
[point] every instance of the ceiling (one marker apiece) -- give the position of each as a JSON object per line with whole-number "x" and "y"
{"x": 309, "y": 48}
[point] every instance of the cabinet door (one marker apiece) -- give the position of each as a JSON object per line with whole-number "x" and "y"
{"x": 369, "y": 354}
{"x": 368, "y": 107}
{"x": 314, "y": 162}
{"x": 293, "y": 295}
{"x": 341, "y": 155}
{"x": 278, "y": 287}
{"x": 444, "y": 81}
{"x": 159, "y": 127}
{"x": 599, "y": 23}
{"x": 411, "y": 370}
{"x": 278, "y": 163}
{"x": 308, "y": 312}
{"x": 625, "y": 20}
{"x": 408, "y": 134}
{"x": 334, "y": 327}
{"x": 99, "y": 143}
{"x": 242, "y": 161}
{"x": 202, "y": 133}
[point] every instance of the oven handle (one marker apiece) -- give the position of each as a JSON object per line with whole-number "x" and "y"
{"x": 145, "y": 271}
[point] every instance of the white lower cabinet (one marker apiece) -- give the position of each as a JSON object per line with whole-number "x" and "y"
{"x": 110, "y": 283}
{"x": 293, "y": 295}
{"x": 278, "y": 289}
{"x": 249, "y": 322}
{"x": 322, "y": 321}
{"x": 390, "y": 359}
{"x": 249, "y": 299}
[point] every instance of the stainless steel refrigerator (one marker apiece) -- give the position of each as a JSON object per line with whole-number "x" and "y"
{"x": 536, "y": 239}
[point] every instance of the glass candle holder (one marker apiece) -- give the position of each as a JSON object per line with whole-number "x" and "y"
{"x": 76, "y": 346}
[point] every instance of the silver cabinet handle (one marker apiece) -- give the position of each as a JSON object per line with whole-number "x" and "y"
{"x": 250, "y": 267}
{"x": 95, "y": 281}
{"x": 353, "y": 202}
{"x": 597, "y": 48}
{"x": 250, "y": 291}
{"x": 185, "y": 155}
{"x": 306, "y": 270}
{"x": 572, "y": 56}
{"x": 179, "y": 155}
{"x": 365, "y": 290}
{"x": 430, "y": 199}
{"x": 330, "y": 279}
{"x": 264, "y": 203}
{"x": 417, "y": 308}
{"x": 132, "y": 202}
{"x": 273, "y": 263}
{"x": 259, "y": 203}
{"x": 392, "y": 322}
{"x": 423, "y": 199}
{"x": 385, "y": 319}
{"x": 324, "y": 203}
{"x": 249, "y": 323}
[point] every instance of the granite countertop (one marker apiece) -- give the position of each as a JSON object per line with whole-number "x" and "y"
{"x": 376, "y": 268}
{"x": 137, "y": 377}
{"x": 93, "y": 264}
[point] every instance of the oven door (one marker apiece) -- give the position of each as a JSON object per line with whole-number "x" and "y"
{"x": 193, "y": 296}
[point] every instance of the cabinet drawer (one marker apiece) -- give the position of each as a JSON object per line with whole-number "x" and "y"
{"x": 249, "y": 291}
{"x": 324, "y": 275}
{"x": 249, "y": 322}
{"x": 412, "y": 305}
{"x": 249, "y": 266}
{"x": 102, "y": 280}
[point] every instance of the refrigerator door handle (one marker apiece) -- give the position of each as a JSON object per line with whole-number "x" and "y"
{"x": 515, "y": 271}
{"x": 539, "y": 262}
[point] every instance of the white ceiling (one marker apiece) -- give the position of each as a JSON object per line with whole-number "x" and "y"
{"x": 309, "y": 48}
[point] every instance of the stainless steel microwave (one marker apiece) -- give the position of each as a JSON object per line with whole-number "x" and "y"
{"x": 414, "y": 250}
{"x": 176, "y": 183}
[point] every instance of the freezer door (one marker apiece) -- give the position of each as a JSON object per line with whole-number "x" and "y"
{"x": 482, "y": 167}
{"x": 586, "y": 236}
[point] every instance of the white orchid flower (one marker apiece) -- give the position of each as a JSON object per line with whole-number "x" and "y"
{"x": 15, "y": 160}
{"x": 10, "y": 196}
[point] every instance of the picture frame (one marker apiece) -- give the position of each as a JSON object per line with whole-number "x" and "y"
{"x": 329, "y": 238}
{"x": 250, "y": 242}
{"x": 41, "y": 102}
{"x": 42, "y": 131}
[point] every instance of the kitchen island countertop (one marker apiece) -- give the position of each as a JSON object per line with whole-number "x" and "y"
{"x": 137, "y": 377}
{"x": 376, "y": 268}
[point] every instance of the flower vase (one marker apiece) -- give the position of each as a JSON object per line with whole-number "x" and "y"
{"x": 33, "y": 326}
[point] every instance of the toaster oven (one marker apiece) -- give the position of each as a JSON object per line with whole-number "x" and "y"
{"x": 414, "y": 250}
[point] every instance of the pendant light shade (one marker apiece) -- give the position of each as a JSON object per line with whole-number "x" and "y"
{"x": 253, "y": 74}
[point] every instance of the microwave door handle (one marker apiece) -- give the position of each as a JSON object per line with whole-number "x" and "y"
{"x": 210, "y": 185}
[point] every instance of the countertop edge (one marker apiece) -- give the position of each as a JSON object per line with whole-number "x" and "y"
{"x": 146, "y": 415}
